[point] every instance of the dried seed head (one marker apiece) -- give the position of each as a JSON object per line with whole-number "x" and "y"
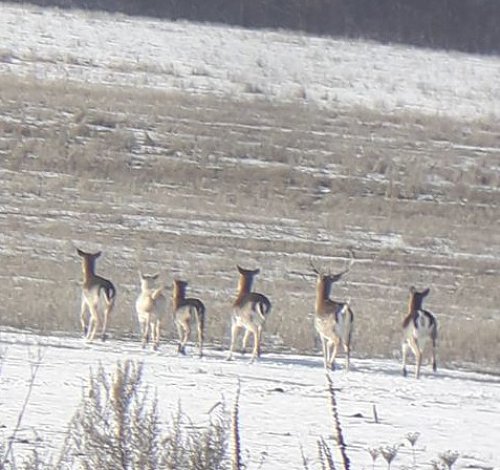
{"x": 449, "y": 457}
{"x": 412, "y": 438}
{"x": 374, "y": 452}
{"x": 389, "y": 453}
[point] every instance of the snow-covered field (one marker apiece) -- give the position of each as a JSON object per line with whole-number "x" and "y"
{"x": 194, "y": 58}
{"x": 284, "y": 402}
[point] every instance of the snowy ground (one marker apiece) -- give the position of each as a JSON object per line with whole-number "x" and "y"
{"x": 284, "y": 403}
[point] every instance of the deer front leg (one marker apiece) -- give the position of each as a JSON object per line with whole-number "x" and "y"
{"x": 83, "y": 317}
{"x": 200, "y": 338}
{"x": 105, "y": 321}
{"x": 434, "y": 362}
{"x": 324, "y": 344}
{"x": 145, "y": 333}
{"x": 156, "y": 341}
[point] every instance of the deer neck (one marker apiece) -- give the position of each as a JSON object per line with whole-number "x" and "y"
{"x": 413, "y": 308}
{"x": 178, "y": 297}
{"x": 88, "y": 270}
{"x": 244, "y": 288}
{"x": 322, "y": 295}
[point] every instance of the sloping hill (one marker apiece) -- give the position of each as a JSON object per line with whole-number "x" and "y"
{"x": 185, "y": 149}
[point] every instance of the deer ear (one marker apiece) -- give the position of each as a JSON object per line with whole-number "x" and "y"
{"x": 96, "y": 255}
{"x": 155, "y": 276}
{"x": 80, "y": 252}
{"x": 256, "y": 271}
{"x": 426, "y": 292}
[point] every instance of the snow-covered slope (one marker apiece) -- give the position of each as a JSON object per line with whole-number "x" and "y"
{"x": 284, "y": 402}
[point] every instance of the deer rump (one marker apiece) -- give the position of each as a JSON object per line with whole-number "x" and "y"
{"x": 338, "y": 324}
{"x": 255, "y": 303}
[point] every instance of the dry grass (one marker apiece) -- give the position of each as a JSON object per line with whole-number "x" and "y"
{"x": 191, "y": 185}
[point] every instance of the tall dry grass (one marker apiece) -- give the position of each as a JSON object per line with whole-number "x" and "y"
{"x": 190, "y": 185}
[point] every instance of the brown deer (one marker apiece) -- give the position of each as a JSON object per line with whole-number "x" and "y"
{"x": 186, "y": 312}
{"x": 419, "y": 326}
{"x": 151, "y": 308}
{"x": 250, "y": 311}
{"x": 98, "y": 298}
{"x": 333, "y": 320}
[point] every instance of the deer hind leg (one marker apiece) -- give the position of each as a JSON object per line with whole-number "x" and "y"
{"x": 418, "y": 355}
{"x": 180, "y": 332}
{"x": 235, "y": 329}
{"x": 257, "y": 334}
{"x": 94, "y": 322}
{"x": 185, "y": 339}
{"x": 404, "y": 353}
{"x": 200, "y": 336}
{"x": 244, "y": 342}
{"x": 334, "y": 345}
{"x": 145, "y": 333}
{"x": 347, "y": 349}
{"x": 434, "y": 362}
{"x": 107, "y": 311}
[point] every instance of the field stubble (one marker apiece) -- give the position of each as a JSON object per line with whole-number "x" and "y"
{"x": 188, "y": 186}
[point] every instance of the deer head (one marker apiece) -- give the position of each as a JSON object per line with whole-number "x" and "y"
{"x": 88, "y": 260}
{"x": 246, "y": 279}
{"x": 326, "y": 280}
{"x": 417, "y": 298}
{"x": 148, "y": 281}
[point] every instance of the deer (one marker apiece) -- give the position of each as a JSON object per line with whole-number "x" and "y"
{"x": 151, "y": 308}
{"x": 333, "y": 320}
{"x": 419, "y": 326}
{"x": 250, "y": 311}
{"x": 98, "y": 298}
{"x": 186, "y": 312}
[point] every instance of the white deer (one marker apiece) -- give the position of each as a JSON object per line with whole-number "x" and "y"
{"x": 419, "y": 327}
{"x": 98, "y": 298}
{"x": 250, "y": 311}
{"x": 151, "y": 308}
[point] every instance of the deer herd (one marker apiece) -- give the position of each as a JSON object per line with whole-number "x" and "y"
{"x": 333, "y": 320}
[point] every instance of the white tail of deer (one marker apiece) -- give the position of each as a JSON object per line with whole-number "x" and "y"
{"x": 98, "y": 298}
{"x": 250, "y": 311}
{"x": 419, "y": 327}
{"x": 151, "y": 308}
{"x": 187, "y": 311}
{"x": 333, "y": 320}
